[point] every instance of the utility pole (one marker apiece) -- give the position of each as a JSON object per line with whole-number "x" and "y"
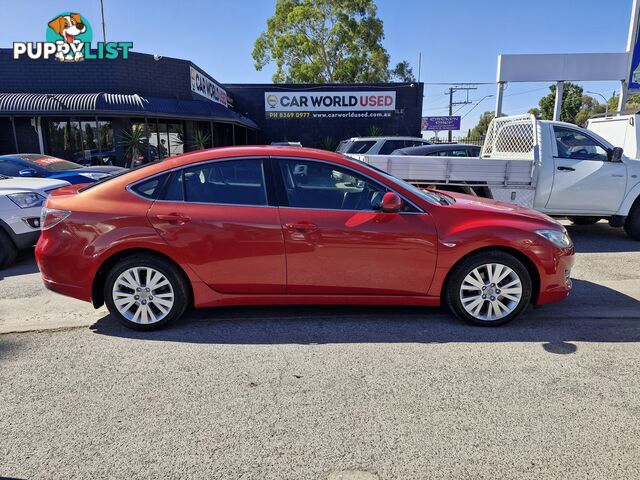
{"x": 104, "y": 30}
{"x": 461, "y": 87}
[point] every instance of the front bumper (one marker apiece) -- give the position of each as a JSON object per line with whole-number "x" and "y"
{"x": 23, "y": 226}
{"x": 555, "y": 279}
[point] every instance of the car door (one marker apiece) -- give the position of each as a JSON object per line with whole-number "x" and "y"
{"x": 339, "y": 242}
{"x": 223, "y": 224}
{"x": 584, "y": 179}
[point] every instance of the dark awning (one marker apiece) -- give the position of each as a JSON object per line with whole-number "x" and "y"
{"x": 120, "y": 104}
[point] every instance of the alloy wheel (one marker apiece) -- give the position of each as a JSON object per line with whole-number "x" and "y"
{"x": 143, "y": 295}
{"x": 491, "y": 291}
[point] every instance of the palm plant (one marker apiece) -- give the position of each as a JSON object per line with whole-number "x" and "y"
{"x": 375, "y": 131}
{"x": 329, "y": 143}
{"x": 200, "y": 139}
{"x": 134, "y": 141}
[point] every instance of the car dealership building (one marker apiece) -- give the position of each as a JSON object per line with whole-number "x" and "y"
{"x": 96, "y": 111}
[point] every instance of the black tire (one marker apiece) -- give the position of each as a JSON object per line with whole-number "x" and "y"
{"x": 466, "y": 266}
{"x": 8, "y": 250}
{"x": 584, "y": 220}
{"x": 174, "y": 276}
{"x": 632, "y": 223}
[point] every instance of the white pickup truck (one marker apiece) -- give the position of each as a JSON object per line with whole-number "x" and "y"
{"x": 554, "y": 167}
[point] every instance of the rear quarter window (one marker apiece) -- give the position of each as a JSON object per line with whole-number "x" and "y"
{"x": 151, "y": 187}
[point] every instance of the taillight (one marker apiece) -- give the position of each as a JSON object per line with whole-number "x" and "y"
{"x": 51, "y": 217}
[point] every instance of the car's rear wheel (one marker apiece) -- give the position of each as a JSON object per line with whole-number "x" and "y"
{"x": 145, "y": 292}
{"x": 489, "y": 289}
{"x": 584, "y": 220}
{"x": 8, "y": 250}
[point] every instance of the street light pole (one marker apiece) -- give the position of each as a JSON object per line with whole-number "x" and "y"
{"x": 104, "y": 30}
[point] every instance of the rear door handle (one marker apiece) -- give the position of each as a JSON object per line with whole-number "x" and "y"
{"x": 174, "y": 218}
{"x": 566, "y": 169}
{"x": 301, "y": 227}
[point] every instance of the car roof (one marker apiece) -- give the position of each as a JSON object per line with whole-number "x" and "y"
{"x": 442, "y": 147}
{"x": 225, "y": 153}
{"x": 356, "y": 139}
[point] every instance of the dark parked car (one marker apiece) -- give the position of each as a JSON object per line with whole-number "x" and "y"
{"x": 448, "y": 150}
{"x": 37, "y": 165}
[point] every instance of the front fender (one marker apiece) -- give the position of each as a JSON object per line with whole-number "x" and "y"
{"x": 629, "y": 199}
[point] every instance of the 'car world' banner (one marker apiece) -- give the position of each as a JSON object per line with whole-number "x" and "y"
{"x": 202, "y": 85}
{"x": 364, "y": 104}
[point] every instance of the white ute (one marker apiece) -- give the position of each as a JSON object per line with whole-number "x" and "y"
{"x": 21, "y": 201}
{"x": 554, "y": 167}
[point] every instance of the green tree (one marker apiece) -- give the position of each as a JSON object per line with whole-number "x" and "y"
{"x": 590, "y": 107}
{"x": 633, "y": 103}
{"x": 571, "y": 103}
{"x": 324, "y": 41}
{"x": 483, "y": 125}
{"x": 402, "y": 72}
{"x": 535, "y": 111}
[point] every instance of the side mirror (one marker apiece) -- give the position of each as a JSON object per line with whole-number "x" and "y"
{"x": 616, "y": 154}
{"x": 391, "y": 203}
{"x": 28, "y": 172}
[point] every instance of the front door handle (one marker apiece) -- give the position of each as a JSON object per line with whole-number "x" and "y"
{"x": 301, "y": 227}
{"x": 174, "y": 218}
{"x": 566, "y": 169}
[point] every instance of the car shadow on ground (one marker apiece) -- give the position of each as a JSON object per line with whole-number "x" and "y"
{"x": 556, "y": 326}
{"x": 25, "y": 264}
{"x": 601, "y": 238}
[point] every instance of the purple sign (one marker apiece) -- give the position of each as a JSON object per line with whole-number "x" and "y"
{"x": 441, "y": 123}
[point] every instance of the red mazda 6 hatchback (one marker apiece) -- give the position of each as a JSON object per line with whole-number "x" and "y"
{"x": 285, "y": 225}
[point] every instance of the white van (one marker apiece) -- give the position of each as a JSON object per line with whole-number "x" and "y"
{"x": 621, "y": 131}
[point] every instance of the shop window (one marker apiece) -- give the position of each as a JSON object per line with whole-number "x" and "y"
{"x": 7, "y": 141}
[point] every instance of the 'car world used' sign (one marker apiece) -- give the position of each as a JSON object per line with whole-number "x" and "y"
{"x": 441, "y": 123}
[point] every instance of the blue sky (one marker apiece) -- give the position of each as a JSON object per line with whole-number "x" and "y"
{"x": 459, "y": 39}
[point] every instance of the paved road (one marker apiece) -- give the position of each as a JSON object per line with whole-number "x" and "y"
{"x": 309, "y": 392}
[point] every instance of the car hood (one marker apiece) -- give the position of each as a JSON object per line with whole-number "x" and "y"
{"x": 486, "y": 205}
{"x": 21, "y": 184}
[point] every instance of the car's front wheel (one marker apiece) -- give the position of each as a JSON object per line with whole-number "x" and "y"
{"x": 489, "y": 288}
{"x": 8, "y": 250}
{"x": 145, "y": 292}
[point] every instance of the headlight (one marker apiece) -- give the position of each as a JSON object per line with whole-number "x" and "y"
{"x": 27, "y": 199}
{"x": 558, "y": 237}
{"x": 94, "y": 176}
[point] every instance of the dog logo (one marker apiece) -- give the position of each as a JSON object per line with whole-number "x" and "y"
{"x": 73, "y": 30}
{"x": 68, "y": 39}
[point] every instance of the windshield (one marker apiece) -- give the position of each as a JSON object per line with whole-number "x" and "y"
{"x": 428, "y": 195}
{"x": 50, "y": 164}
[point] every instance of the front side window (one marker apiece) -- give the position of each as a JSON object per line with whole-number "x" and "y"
{"x": 578, "y": 146}
{"x": 235, "y": 182}
{"x": 322, "y": 186}
{"x": 10, "y": 169}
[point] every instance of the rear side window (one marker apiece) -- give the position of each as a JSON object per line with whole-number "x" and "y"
{"x": 151, "y": 187}
{"x": 391, "y": 145}
{"x": 235, "y": 182}
{"x": 361, "y": 146}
